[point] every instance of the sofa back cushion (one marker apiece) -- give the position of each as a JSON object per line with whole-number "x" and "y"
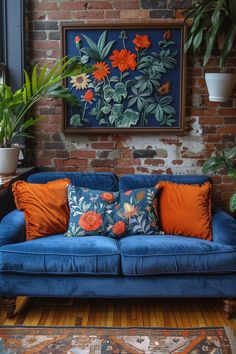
{"x": 101, "y": 181}
{"x": 128, "y": 182}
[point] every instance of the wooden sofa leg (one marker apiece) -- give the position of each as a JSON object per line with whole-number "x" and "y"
{"x": 229, "y": 308}
{"x": 9, "y": 305}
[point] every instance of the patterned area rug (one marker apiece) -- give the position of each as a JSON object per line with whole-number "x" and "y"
{"x": 91, "y": 340}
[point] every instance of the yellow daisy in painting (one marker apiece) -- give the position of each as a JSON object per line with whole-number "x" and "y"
{"x": 80, "y": 82}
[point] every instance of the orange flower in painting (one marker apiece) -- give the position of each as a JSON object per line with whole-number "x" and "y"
{"x": 123, "y": 59}
{"x": 77, "y": 39}
{"x": 88, "y": 96}
{"x": 101, "y": 70}
{"x": 108, "y": 197}
{"x": 167, "y": 35}
{"x": 90, "y": 221}
{"x": 119, "y": 228}
{"x": 141, "y": 42}
{"x": 165, "y": 88}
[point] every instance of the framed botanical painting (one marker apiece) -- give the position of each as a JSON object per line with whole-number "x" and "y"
{"x": 137, "y": 82}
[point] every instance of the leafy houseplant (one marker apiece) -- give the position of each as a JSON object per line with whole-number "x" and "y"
{"x": 15, "y": 105}
{"x": 211, "y": 18}
{"x": 224, "y": 161}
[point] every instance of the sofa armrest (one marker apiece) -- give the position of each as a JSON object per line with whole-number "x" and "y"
{"x": 224, "y": 228}
{"x": 12, "y": 228}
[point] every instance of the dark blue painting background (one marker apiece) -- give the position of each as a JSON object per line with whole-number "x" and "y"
{"x": 155, "y": 35}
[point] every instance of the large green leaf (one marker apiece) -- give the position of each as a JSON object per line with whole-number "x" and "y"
{"x": 102, "y": 41}
{"x": 213, "y": 164}
{"x": 229, "y": 41}
{"x": 108, "y": 93}
{"x": 159, "y": 113}
{"x": 230, "y": 153}
{"x": 116, "y": 113}
{"x": 93, "y": 46}
{"x": 129, "y": 118}
{"x": 120, "y": 92}
{"x": 232, "y": 203}
{"x": 212, "y": 38}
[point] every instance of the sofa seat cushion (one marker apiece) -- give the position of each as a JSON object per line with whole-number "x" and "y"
{"x": 58, "y": 254}
{"x": 142, "y": 255}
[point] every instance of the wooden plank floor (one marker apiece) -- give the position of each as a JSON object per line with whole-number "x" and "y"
{"x": 176, "y": 313}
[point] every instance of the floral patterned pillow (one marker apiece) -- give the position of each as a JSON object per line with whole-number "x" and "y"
{"x": 90, "y": 211}
{"x": 136, "y": 214}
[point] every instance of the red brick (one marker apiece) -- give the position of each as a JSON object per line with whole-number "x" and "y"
{"x": 177, "y": 162}
{"x": 75, "y": 162}
{"x": 81, "y": 5}
{"x": 38, "y": 15}
{"x": 231, "y": 129}
{"x": 127, "y": 4}
{"x": 58, "y": 162}
{"x": 217, "y": 120}
{"x": 59, "y": 15}
{"x": 128, "y": 162}
{"x": 103, "y": 163}
{"x": 154, "y": 162}
{"x": 227, "y": 112}
{"x": 112, "y": 14}
{"x": 42, "y": 44}
{"x": 102, "y": 146}
{"x": 99, "y": 5}
{"x": 46, "y": 5}
{"x": 88, "y": 14}
{"x": 83, "y": 154}
{"x": 124, "y": 170}
{"x": 102, "y": 169}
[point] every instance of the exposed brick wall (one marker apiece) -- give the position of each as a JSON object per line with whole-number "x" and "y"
{"x": 208, "y": 125}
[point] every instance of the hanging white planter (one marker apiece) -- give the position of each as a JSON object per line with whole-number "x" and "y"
{"x": 220, "y": 86}
{"x": 8, "y": 160}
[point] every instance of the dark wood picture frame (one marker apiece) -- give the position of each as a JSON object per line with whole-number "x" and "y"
{"x": 165, "y": 27}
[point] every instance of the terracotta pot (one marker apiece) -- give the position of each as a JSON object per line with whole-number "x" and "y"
{"x": 8, "y": 160}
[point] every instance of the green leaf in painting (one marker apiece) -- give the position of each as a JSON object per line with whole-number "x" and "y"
{"x": 120, "y": 92}
{"x": 102, "y": 41}
{"x": 129, "y": 118}
{"x": 106, "y": 109}
{"x": 106, "y": 50}
{"x": 108, "y": 93}
{"x": 159, "y": 113}
{"x": 116, "y": 113}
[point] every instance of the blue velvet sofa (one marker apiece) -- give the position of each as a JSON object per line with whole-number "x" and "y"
{"x": 134, "y": 266}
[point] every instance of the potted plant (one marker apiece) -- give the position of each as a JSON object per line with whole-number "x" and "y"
{"x": 14, "y": 106}
{"x": 225, "y": 161}
{"x": 211, "y": 18}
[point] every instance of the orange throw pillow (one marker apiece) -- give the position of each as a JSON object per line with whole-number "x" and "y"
{"x": 45, "y": 207}
{"x": 186, "y": 209}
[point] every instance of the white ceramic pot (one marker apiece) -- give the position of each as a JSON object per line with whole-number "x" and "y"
{"x": 220, "y": 86}
{"x": 8, "y": 160}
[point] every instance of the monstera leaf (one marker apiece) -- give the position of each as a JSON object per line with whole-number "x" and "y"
{"x": 121, "y": 118}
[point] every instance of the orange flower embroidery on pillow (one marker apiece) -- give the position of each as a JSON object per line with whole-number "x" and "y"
{"x": 108, "y": 197}
{"x": 119, "y": 228}
{"x": 90, "y": 221}
{"x": 123, "y": 59}
{"x": 130, "y": 210}
{"x": 141, "y": 42}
